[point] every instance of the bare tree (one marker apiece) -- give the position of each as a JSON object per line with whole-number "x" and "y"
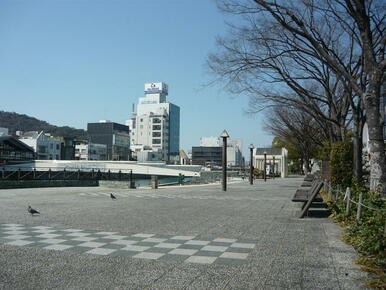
{"x": 296, "y": 128}
{"x": 344, "y": 36}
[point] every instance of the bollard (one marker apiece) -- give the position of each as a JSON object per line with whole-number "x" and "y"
{"x": 359, "y": 208}
{"x": 347, "y": 197}
{"x": 154, "y": 182}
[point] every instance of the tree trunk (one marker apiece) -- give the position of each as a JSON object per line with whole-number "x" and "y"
{"x": 376, "y": 143}
{"x": 358, "y": 148}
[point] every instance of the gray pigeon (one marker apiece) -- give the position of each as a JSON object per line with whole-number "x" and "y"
{"x": 112, "y": 196}
{"x": 32, "y": 211}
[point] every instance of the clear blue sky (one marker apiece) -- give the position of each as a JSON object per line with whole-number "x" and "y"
{"x": 70, "y": 62}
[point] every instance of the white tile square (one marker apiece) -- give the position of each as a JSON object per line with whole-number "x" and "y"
{"x": 123, "y": 242}
{"x": 48, "y": 236}
{"x": 187, "y": 252}
{"x": 243, "y": 245}
{"x": 197, "y": 242}
{"x": 100, "y": 251}
{"x": 83, "y": 239}
{"x": 12, "y": 225}
{"x": 143, "y": 235}
{"x": 113, "y": 237}
{"x": 19, "y": 243}
{"x": 106, "y": 233}
{"x": 184, "y": 238}
{"x": 135, "y": 248}
{"x": 223, "y": 240}
{"x": 201, "y": 259}
{"x": 72, "y": 230}
{"x": 231, "y": 255}
{"x": 58, "y": 247}
{"x": 14, "y": 233}
{"x": 78, "y": 235}
{"x": 91, "y": 244}
{"x": 149, "y": 255}
{"x": 154, "y": 240}
{"x": 167, "y": 245}
{"x": 44, "y": 231}
{"x": 17, "y": 237}
{"x": 52, "y": 241}
{"x": 214, "y": 248}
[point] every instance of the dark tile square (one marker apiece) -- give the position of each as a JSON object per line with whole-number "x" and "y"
{"x": 146, "y": 244}
{"x": 112, "y": 246}
{"x": 196, "y": 247}
{"x": 158, "y": 250}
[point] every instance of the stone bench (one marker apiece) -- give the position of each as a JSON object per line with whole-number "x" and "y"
{"x": 308, "y": 196}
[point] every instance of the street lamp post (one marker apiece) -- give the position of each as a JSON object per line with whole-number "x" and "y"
{"x": 265, "y": 166}
{"x": 273, "y": 169}
{"x": 224, "y": 135}
{"x": 251, "y": 147}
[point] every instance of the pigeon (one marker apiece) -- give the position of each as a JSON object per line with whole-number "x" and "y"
{"x": 112, "y": 196}
{"x": 32, "y": 211}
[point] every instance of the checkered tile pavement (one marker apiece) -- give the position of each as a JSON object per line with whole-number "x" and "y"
{"x": 190, "y": 249}
{"x": 155, "y": 195}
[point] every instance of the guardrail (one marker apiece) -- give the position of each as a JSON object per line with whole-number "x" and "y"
{"x": 63, "y": 174}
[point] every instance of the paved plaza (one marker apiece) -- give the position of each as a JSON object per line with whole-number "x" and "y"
{"x": 189, "y": 237}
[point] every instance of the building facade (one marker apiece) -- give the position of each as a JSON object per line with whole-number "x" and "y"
{"x": 208, "y": 156}
{"x": 115, "y": 136}
{"x": 13, "y": 151}
{"x": 156, "y": 124}
{"x": 234, "y": 149}
{"x": 90, "y": 151}
{"x": 276, "y": 160}
{"x": 45, "y": 146}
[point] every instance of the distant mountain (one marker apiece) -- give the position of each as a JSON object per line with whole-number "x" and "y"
{"x": 19, "y": 122}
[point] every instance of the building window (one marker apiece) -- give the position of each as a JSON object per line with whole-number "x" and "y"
{"x": 156, "y": 127}
{"x": 156, "y": 134}
{"x": 156, "y": 141}
{"x": 51, "y": 146}
{"x": 57, "y": 146}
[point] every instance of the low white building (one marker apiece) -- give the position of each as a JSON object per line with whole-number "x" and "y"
{"x": 45, "y": 146}
{"x": 276, "y": 160}
{"x": 91, "y": 151}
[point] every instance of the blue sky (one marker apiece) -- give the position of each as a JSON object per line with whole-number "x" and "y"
{"x": 70, "y": 62}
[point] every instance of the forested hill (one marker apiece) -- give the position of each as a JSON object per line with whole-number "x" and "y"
{"x": 19, "y": 122}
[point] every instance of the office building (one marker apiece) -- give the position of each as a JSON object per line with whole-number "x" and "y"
{"x": 115, "y": 136}
{"x": 155, "y": 126}
{"x": 234, "y": 149}
{"x": 208, "y": 156}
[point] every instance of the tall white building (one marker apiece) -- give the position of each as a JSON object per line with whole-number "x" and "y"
{"x": 155, "y": 127}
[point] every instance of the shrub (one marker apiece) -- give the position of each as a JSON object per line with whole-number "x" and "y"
{"x": 341, "y": 163}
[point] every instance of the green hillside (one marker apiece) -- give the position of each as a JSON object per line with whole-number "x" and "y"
{"x": 20, "y": 122}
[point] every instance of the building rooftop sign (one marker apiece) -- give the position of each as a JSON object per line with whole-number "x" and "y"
{"x": 156, "y": 88}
